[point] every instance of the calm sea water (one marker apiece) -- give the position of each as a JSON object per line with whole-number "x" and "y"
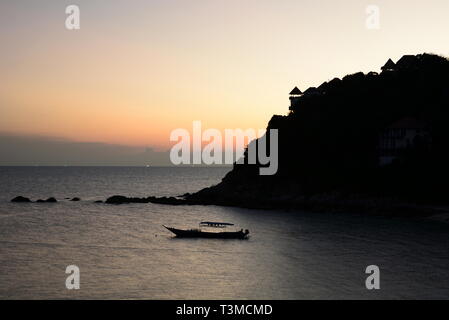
{"x": 123, "y": 252}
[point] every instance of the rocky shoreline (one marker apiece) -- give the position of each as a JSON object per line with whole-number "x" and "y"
{"x": 21, "y": 199}
{"x": 330, "y": 202}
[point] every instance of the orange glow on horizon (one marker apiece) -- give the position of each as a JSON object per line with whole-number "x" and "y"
{"x": 135, "y": 72}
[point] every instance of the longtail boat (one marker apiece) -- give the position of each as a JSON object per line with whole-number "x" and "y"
{"x": 199, "y": 233}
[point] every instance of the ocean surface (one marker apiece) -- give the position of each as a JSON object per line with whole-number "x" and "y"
{"x": 123, "y": 252}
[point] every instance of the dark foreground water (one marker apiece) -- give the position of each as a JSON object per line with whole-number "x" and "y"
{"x": 124, "y": 252}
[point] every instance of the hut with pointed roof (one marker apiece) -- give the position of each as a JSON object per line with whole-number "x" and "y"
{"x": 295, "y": 95}
{"x": 295, "y": 92}
{"x": 389, "y": 66}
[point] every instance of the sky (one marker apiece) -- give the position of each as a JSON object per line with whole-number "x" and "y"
{"x": 136, "y": 70}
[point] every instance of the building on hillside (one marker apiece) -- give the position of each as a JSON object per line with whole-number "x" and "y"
{"x": 311, "y": 91}
{"x": 406, "y": 62}
{"x": 402, "y": 136}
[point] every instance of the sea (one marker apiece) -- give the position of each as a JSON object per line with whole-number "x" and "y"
{"x": 124, "y": 252}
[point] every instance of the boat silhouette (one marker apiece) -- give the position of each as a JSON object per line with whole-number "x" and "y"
{"x": 198, "y": 233}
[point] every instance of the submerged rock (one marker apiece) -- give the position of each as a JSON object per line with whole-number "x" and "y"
{"x": 20, "y": 199}
{"x": 98, "y": 201}
{"x": 167, "y": 200}
{"x": 49, "y": 200}
{"x": 75, "y": 199}
{"x": 120, "y": 200}
{"x": 160, "y": 200}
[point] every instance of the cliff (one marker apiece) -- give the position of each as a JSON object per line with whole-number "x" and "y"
{"x": 329, "y": 144}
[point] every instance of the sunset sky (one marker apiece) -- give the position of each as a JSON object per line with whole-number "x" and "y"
{"x": 138, "y": 69}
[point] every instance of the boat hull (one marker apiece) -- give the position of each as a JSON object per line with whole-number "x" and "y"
{"x": 211, "y": 235}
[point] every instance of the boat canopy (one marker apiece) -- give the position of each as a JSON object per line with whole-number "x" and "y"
{"x": 216, "y": 224}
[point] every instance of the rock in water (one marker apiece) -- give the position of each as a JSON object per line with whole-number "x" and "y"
{"x": 49, "y": 200}
{"x": 117, "y": 200}
{"x": 75, "y": 199}
{"x": 20, "y": 199}
{"x": 161, "y": 200}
